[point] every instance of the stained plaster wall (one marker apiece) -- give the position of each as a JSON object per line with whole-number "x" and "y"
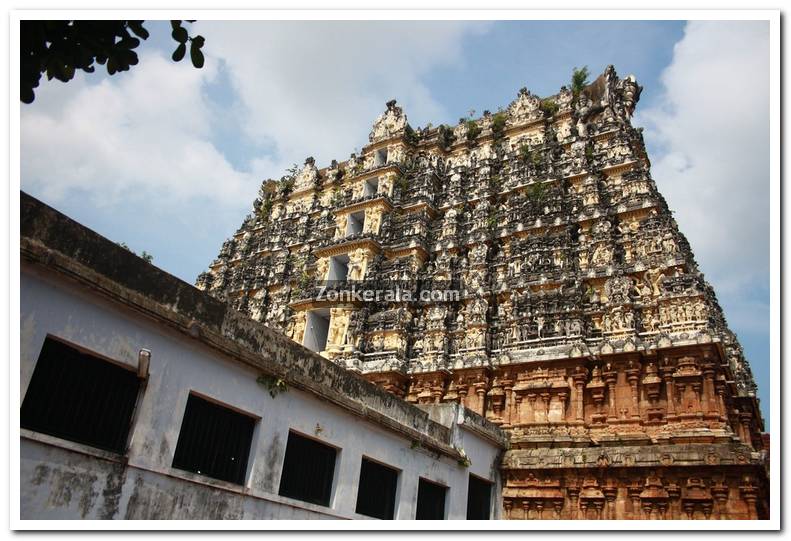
{"x": 65, "y": 480}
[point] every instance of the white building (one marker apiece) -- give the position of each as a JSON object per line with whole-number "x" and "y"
{"x": 145, "y": 398}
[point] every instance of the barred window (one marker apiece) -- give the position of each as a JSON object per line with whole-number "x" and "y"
{"x": 479, "y": 499}
{"x": 214, "y": 441}
{"x": 308, "y": 470}
{"x": 430, "y": 501}
{"x": 80, "y": 397}
{"x": 376, "y": 494}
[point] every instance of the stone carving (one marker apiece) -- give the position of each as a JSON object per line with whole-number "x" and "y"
{"x": 584, "y": 110}
{"x": 307, "y": 175}
{"x": 449, "y": 223}
{"x": 298, "y": 327}
{"x": 322, "y": 267}
{"x": 391, "y": 122}
{"x": 525, "y": 108}
{"x": 602, "y": 254}
{"x": 357, "y": 261}
{"x": 617, "y": 289}
{"x": 373, "y": 219}
{"x": 339, "y": 321}
{"x": 579, "y": 320}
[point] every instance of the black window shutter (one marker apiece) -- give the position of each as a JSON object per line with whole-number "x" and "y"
{"x": 430, "y": 501}
{"x": 377, "y": 490}
{"x": 214, "y": 441}
{"x": 479, "y": 499}
{"x": 80, "y": 397}
{"x": 308, "y": 470}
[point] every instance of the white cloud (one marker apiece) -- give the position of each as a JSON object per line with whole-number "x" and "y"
{"x": 144, "y": 135}
{"x": 301, "y": 88}
{"x": 168, "y": 158}
{"x": 712, "y": 124}
{"x": 314, "y": 88}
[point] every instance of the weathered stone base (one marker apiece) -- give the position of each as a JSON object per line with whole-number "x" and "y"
{"x": 658, "y": 483}
{"x": 643, "y": 435}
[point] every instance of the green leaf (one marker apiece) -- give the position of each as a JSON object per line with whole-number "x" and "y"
{"x": 137, "y": 28}
{"x": 60, "y": 71}
{"x": 180, "y": 34}
{"x": 131, "y": 57}
{"x": 84, "y": 57}
{"x": 27, "y": 95}
{"x": 129, "y": 43}
{"x": 197, "y": 56}
{"x": 179, "y": 53}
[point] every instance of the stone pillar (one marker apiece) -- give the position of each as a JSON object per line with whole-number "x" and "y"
{"x": 573, "y": 496}
{"x": 610, "y": 494}
{"x": 610, "y": 377}
{"x": 558, "y": 507}
{"x": 720, "y": 493}
{"x": 671, "y": 399}
{"x": 509, "y": 402}
{"x": 517, "y": 414}
{"x": 632, "y": 376}
{"x": 545, "y": 398}
{"x": 673, "y": 501}
{"x": 463, "y": 390}
{"x": 735, "y": 422}
{"x": 562, "y": 397}
{"x": 531, "y": 408}
{"x": 634, "y": 491}
{"x": 648, "y": 510}
{"x": 599, "y": 506}
{"x": 721, "y": 403}
{"x": 579, "y": 396}
{"x": 709, "y": 397}
{"x": 745, "y": 419}
{"x": 699, "y": 406}
{"x": 480, "y": 390}
{"x": 437, "y": 391}
{"x": 583, "y": 514}
{"x": 750, "y": 496}
{"x": 661, "y": 508}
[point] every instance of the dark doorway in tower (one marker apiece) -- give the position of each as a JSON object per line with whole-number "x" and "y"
{"x": 318, "y": 325}
{"x": 355, "y": 223}
{"x": 339, "y": 268}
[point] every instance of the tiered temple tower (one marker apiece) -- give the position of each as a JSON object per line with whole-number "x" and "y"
{"x": 580, "y": 321}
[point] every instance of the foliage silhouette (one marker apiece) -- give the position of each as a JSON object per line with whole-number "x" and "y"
{"x": 59, "y": 48}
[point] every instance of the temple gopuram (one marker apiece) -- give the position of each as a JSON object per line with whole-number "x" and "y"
{"x": 550, "y": 291}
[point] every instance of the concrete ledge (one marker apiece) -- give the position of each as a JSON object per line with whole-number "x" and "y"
{"x": 453, "y": 414}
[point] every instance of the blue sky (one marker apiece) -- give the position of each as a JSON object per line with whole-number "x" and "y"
{"x": 168, "y": 158}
